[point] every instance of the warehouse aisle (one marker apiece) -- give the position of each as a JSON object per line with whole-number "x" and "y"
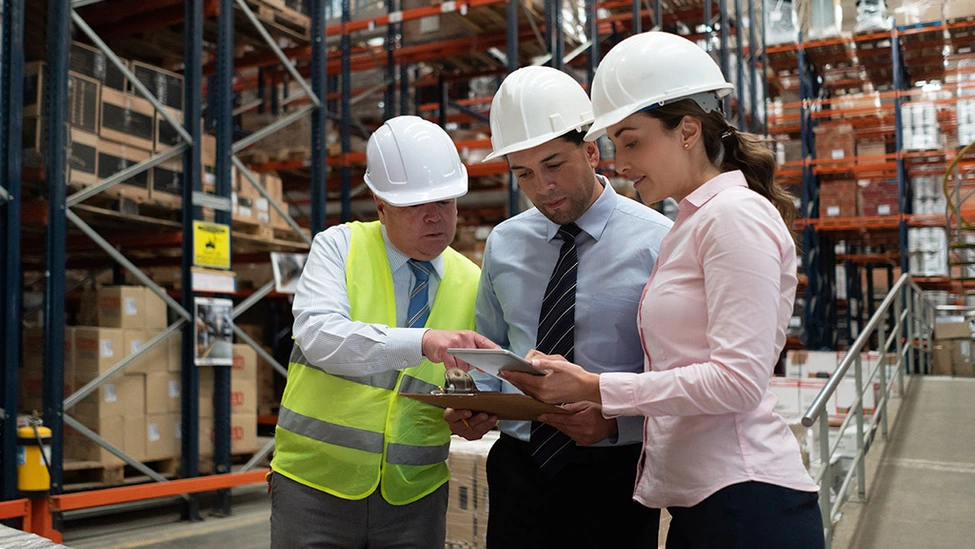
{"x": 924, "y": 492}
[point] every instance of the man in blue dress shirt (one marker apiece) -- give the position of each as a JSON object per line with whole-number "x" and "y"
{"x": 565, "y": 278}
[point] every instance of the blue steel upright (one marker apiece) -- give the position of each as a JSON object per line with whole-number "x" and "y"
{"x": 514, "y": 196}
{"x": 319, "y": 117}
{"x": 58, "y": 36}
{"x": 346, "y": 129}
{"x": 192, "y": 108}
{"x": 11, "y": 102}
{"x": 220, "y": 101}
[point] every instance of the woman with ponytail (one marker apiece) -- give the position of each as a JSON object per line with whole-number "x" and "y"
{"x": 713, "y": 315}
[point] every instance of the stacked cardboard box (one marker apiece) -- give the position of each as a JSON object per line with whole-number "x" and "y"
{"x": 835, "y": 141}
{"x": 927, "y": 250}
{"x": 243, "y": 403}
{"x": 468, "y": 505}
{"x": 838, "y": 199}
{"x": 877, "y": 197}
{"x": 952, "y": 352}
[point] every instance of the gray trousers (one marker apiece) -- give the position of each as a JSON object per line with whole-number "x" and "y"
{"x": 306, "y": 518}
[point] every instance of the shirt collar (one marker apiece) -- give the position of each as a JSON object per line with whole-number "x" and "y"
{"x": 594, "y": 220}
{"x": 712, "y": 187}
{"x": 398, "y": 259}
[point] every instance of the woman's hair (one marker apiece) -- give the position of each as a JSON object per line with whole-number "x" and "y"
{"x": 731, "y": 150}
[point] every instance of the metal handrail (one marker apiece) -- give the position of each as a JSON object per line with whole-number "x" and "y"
{"x": 913, "y": 326}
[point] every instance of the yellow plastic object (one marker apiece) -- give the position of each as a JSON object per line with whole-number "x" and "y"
{"x": 33, "y": 477}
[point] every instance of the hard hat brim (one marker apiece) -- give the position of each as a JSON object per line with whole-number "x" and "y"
{"x": 405, "y": 198}
{"x": 603, "y": 122}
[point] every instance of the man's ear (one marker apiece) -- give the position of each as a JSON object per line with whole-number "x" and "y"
{"x": 592, "y": 153}
{"x": 380, "y": 208}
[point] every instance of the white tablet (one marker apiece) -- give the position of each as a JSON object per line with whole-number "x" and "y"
{"x": 492, "y": 361}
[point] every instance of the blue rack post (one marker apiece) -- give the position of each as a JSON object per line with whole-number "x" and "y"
{"x": 319, "y": 116}
{"x": 221, "y": 103}
{"x": 903, "y": 202}
{"x": 58, "y": 36}
{"x": 764, "y": 71}
{"x": 389, "y": 97}
{"x": 658, "y": 14}
{"x": 637, "y": 9}
{"x": 346, "y": 129}
{"x": 192, "y": 107}
{"x": 11, "y": 104}
{"x": 514, "y": 203}
{"x": 724, "y": 55}
{"x": 753, "y": 67}
{"x": 740, "y": 70}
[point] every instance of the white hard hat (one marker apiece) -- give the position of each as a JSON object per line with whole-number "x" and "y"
{"x": 651, "y": 69}
{"x": 412, "y": 161}
{"x": 535, "y": 105}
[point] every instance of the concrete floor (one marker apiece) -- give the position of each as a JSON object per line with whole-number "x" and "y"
{"x": 160, "y": 527}
{"x": 923, "y": 494}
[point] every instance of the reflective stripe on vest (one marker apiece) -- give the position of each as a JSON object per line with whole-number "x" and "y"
{"x": 348, "y": 435}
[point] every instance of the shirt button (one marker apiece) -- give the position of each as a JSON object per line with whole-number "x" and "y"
{"x": 406, "y": 363}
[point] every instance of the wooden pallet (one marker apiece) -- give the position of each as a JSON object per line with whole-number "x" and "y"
{"x": 253, "y": 228}
{"x": 86, "y": 475}
{"x": 275, "y": 14}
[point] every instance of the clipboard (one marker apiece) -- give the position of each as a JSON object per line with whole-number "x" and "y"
{"x": 504, "y": 405}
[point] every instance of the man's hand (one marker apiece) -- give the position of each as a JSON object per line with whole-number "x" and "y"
{"x": 586, "y": 425}
{"x": 436, "y": 342}
{"x": 467, "y": 424}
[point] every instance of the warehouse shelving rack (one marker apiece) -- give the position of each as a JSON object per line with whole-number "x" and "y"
{"x": 891, "y": 64}
{"x": 59, "y": 211}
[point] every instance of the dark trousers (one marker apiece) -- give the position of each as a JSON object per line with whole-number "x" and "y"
{"x": 305, "y": 518}
{"x": 586, "y": 505}
{"x": 750, "y": 515}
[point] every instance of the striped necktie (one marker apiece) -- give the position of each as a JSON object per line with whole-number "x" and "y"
{"x": 419, "y": 309}
{"x": 551, "y": 449}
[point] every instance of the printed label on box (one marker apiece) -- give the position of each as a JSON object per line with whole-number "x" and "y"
{"x": 173, "y": 388}
{"x": 263, "y": 216}
{"x": 838, "y": 154}
{"x": 244, "y": 212}
{"x": 107, "y": 351}
{"x": 130, "y": 308}
{"x": 833, "y": 211}
{"x": 153, "y": 432}
{"x": 134, "y": 346}
{"x": 262, "y": 205}
{"x": 883, "y": 209}
{"x": 110, "y": 395}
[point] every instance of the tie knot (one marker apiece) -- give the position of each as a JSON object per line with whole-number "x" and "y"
{"x": 569, "y": 231}
{"x": 421, "y": 269}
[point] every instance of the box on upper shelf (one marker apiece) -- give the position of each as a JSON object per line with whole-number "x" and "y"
{"x": 93, "y": 63}
{"x": 83, "y": 97}
{"x": 165, "y": 85}
{"x": 127, "y": 119}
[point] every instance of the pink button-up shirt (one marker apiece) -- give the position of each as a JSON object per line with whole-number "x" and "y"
{"x": 712, "y": 320}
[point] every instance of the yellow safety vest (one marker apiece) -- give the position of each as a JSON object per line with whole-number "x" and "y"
{"x": 347, "y": 435}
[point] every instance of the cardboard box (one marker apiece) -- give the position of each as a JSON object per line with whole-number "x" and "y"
{"x": 115, "y": 157}
{"x": 161, "y": 436}
{"x": 82, "y": 153}
{"x": 877, "y": 197}
{"x": 959, "y": 9}
{"x": 120, "y": 396}
{"x": 166, "y": 136}
{"x": 245, "y": 363}
{"x": 163, "y": 390}
{"x": 838, "y": 199}
{"x": 786, "y": 390}
{"x": 174, "y": 359}
{"x": 167, "y": 178}
{"x": 127, "y": 119}
{"x": 83, "y": 97}
{"x": 155, "y": 359}
{"x": 243, "y": 434}
{"x": 165, "y": 85}
{"x": 941, "y": 359}
{"x": 962, "y": 361}
{"x": 952, "y": 330}
{"x": 78, "y": 446}
{"x": 135, "y": 436}
{"x": 93, "y": 63}
{"x": 835, "y": 142}
{"x": 98, "y": 349}
{"x": 846, "y": 394}
{"x": 156, "y": 311}
{"x": 243, "y": 393}
{"x": 122, "y": 307}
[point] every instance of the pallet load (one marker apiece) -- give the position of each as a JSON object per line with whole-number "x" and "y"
{"x": 243, "y": 404}
{"x": 953, "y": 353}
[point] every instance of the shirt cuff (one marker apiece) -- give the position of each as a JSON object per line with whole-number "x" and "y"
{"x": 404, "y": 347}
{"x": 617, "y": 392}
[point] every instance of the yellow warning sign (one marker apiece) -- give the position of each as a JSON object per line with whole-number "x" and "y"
{"x": 211, "y": 245}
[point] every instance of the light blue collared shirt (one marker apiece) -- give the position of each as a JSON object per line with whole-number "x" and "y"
{"x": 617, "y": 250}
{"x": 323, "y": 326}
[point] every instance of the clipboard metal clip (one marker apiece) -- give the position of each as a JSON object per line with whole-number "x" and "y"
{"x": 457, "y": 381}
